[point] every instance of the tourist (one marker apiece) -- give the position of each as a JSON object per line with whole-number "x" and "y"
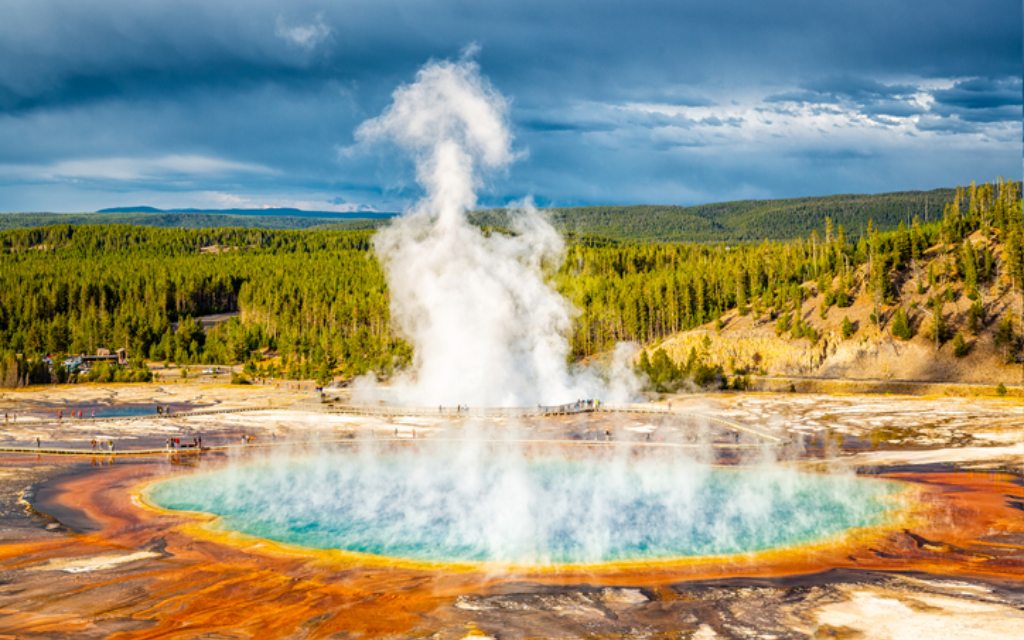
{"x": 37, "y": 442}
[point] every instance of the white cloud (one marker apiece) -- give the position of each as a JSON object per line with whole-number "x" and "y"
{"x": 305, "y": 36}
{"x": 130, "y": 168}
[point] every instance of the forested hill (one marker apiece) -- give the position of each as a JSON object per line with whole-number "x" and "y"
{"x": 180, "y": 220}
{"x": 745, "y": 220}
{"x": 269, "y": 212}
{"x": 315, "y": 303}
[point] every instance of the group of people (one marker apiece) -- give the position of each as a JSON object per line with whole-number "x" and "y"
{"x": 98, "y": 445}
{"x": 75, "y": 413}
{"x": 175, "y": 443}
{"x": 574, "y": 407}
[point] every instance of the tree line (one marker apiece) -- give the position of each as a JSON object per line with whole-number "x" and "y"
{"x": 314, "y": 303}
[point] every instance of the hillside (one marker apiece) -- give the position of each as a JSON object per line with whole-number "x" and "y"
{"x": 271, "y": 212}
{"x": 745, "y": 343}
{"x": 314, "y": 301}
{"x": 181, "y": 220}
{"x": 948, "y": 310}
{"x": 746, "y": 220}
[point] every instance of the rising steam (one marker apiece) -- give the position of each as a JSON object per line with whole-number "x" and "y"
{"x": 488, "y": 329}
{"x": 485, "y": 323}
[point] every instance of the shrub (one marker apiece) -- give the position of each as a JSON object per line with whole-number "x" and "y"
{"x": 848, "y": 328}
{"x": 1001, "y": 389}
{"x": 704, "y": 375}
{"x": 1006, "y": 338}
{"x": 240, "y": 378}
{"x": 960, "y": 346}
{"x": 901, "y": 325}
{"x": 784, "y": 323}
{"x": 975, "y": 317}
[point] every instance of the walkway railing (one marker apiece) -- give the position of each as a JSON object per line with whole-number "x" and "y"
{"x": 394, "y": 411}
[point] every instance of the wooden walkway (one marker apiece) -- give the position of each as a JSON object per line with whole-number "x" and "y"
{"x": 159, "y": 416}
{"x": 391, "y": 412}
{"x": 103, "y": 453}
{"x": 598, "y": 444}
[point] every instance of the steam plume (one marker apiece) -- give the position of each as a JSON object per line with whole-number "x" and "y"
{"x": 486, "y": 325}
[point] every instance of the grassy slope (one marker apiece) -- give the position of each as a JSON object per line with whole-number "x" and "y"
{"x": 752, "y": 341}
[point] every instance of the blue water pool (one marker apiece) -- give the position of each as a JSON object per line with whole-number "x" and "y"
{"x": 126, "y": 410}
{"x": 506, "y": 507}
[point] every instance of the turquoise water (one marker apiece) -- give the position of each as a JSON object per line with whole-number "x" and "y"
{"x": 125, "y": 410}
{"x": 505, "y": 507}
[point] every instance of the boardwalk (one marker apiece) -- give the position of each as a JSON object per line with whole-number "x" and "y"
{"x": 393, "y": 412}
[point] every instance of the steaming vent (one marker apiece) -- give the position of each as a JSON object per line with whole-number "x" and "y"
{"x": 485, "y": 323}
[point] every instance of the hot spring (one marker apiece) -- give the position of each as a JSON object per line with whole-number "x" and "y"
{"x": 499, "y": 505}
{"x": 489, "y": 329}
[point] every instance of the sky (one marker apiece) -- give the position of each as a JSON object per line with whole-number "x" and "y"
{"x": 233, "y": 104}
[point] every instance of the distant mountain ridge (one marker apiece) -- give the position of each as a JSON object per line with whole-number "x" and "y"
{"x": 288, "y": 212}
{"x": 741, "y": 220}
{"x": 736, "y": 221}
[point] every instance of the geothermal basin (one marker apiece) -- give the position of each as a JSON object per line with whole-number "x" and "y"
{"x": 498, "y": 504}
{"x": 329, "y": 524}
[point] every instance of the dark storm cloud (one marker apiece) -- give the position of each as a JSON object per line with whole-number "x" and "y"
{"x": 981, "y": 100}
{"x": 982, "y": 93}
{"x": 69, "y": 50}
{"x": 282, "y": 86}
{"x": 974, "y": 100}
{"x": 870, "y": 97}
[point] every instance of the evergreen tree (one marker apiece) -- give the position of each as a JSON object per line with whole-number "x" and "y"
{"x": 848, "y": 328}
{"x": 901, "y": 327}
